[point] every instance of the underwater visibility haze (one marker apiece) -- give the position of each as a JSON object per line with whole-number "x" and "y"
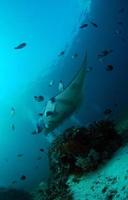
{"x": 63, "y": 99}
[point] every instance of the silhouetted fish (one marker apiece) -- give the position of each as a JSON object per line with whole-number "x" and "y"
{"x": 94, "y": 24}
{"x": 39, "y": 98}
{"x": 61, "y": 53}
{"x": 23, "y": 177}
{"x": 105, "y": 53}
{"x": 19, "y": 155}
{"x": 13, "y": 127}
{"x": 42, "y": 150}
{"x": 120, "y": 23}
{"x": 20, "y": 46}
{"x": 109, "y": 68}
{"x": 40, "y": 114}
{"x": 75, "y": 55}
{"x": 53, "y": 99}
{"x": 83, "y": 26}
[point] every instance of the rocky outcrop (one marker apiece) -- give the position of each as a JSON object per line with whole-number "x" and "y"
{"x": 77, "y": 151}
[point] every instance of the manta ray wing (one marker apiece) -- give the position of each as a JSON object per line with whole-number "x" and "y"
{"x": 68, "y": 100}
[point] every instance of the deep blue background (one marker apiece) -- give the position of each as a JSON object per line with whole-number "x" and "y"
{"x": 50, "y": 27}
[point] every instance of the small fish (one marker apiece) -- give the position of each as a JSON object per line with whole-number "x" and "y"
{"x": 42, "y": 150}
{"x": 19, "y": 155}
{"x": 20, "y": 46}
{"x": 38, "y": 129}
{"x": 105, "y": 53}
{"x": 23, "y": 177}
{"x": 83, "y": 26}
{"x": 120, "y": 23}
{"x": 61, "y": 53}
{"x": 75, "y": 55}
{"x": 13, "y": 111}
{"x": 109, "y": 67}
{"x": 53, "y": 99}
{"x": 107, "y": 111}
{"x": 61, "y": 86}
{"x": 40, "y": 114}
{"x": 39, "y": 98}
{"x": 13, "y": 127}
{"x": 94, "y": 24}
{"x": 51, "y": 83}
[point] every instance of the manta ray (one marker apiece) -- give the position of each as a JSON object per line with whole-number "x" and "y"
{"x": 64, "y": 104}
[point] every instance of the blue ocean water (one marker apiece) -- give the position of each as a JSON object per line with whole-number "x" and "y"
{"x": 55, "y": 45}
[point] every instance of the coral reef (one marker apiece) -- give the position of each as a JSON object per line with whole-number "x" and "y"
{"x": 40, "y": 193}
{"x": 81, "y": 150}
{"x": 14, "y": 194}
{"x": 52, "y": 191}
{"x": 76, "y": 152}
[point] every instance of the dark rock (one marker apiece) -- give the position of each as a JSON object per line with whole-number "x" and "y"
{"x": 77, "y": 151}
{"x": 84, "y": 149}
{"x": 14, "y": 194}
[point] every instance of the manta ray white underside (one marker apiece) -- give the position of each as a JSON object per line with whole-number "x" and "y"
{"x": 66, "y": 102}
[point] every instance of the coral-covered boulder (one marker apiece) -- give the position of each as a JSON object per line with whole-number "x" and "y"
{"x": 77, "y": 151}
{"x": 81, "y": 150}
